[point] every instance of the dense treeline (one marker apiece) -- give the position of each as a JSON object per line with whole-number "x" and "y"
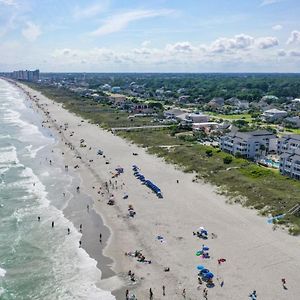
{"x": 247, "y": 86}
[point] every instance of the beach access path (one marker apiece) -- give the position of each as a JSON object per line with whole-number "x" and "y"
{"x": 257, "y": 258}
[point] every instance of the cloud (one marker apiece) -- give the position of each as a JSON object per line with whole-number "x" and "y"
{"x": 281, "y": 52}
{"x": 89, "y": 11}
{"x": 241, "y": 41}
{"x": 267, "y": 42}
{"x": 121, "y": 21}
{"x": 8, "y": 26}
{"x": 183, "y": 47}
{"x": 294, "y": 37}
{"x": 294, "y": 53}
{"x": 269, "y": 2}
{"x": 31, "y": 32}
{"x": 8, "y": 2}
{"x": 277, "y": 27}
{"x": 146, "y": 43}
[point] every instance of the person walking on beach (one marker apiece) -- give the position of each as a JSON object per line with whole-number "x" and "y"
{"x": 284, "y": 283}
{"x": 69, "y": 231}
{"x": 100, "y": 238}
{"x": 150, "y": 294}
{"x": 52, "y": 224}
{"x": 79, "y": 244}
{"x": 88, "y": 208}
{"x": 39, "y": 218}
{"x": 164, "y": 290}
{"x": 127, "y": 294}
{"x": 253, "y": 296}
{"x": 183, "y": 293}
{"x": 80, "y": 227}
{"x": 205, "y": 292}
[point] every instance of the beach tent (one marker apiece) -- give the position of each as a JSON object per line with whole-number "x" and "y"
{"x": 205, "y": 248}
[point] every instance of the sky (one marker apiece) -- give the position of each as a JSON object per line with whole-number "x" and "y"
{"x": 150, "y": 36}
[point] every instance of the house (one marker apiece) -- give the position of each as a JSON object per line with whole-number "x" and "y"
{"x": 288, "y": 147}
{"x": 288, "y": 143}
{"x": 190, "y": 118}
{"x": 217, "y": 102}
{"x": 273, "y": 114}
{"x": 115, "y": 89}
{"x": 293, "y": 121}
{"x": 290, "y": 164}
{"x": 240, "y": 104}
{"x": 248, "y": 144}
{"x": 269, "y": 98}
{"x": 184, "y": 99}
{"x": 117, "y": 99}
{"x": 173, "y": 113}
{"x": 205, "y": 126}
{"x": 142, "y": 108}
{"x": 106, "y": 87}
{"x": 198, "y": 118}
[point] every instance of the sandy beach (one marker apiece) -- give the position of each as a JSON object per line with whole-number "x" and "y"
{"x": 257, "y": 258}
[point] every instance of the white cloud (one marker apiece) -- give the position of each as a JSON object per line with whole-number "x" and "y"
{"x": 241, "y": 41}
{"x": 9, "y": 25}
{"x": 269, "y": 2}
{"x": 294, "y": 53}
{"x": 182, "y": 47}
{"x": 281, "y": 52}
{"x": 294, "y": 37}
{"x": 31, "y": 32}
{"x": 8, "y": 2}
{"x": 277, "y": 27}
{"x": 121, "y": 21}
{"x": 90, "y": 11}
{"x": 267, "y": 42}
{"x": 146, "y": 43}
{"x": 222, "y": 54}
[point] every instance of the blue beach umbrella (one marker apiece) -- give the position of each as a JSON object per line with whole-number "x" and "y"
{"x": 204, "y": 271}
{"x": 205, "y": 248}
{"x": 200, "y": 267}
{"x": 208, "y": 275}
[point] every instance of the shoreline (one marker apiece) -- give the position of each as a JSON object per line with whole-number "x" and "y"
{"x": 154, "y": 217}
{"x": 73, "y": 210}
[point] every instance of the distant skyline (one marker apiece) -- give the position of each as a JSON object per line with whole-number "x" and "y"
{"x": 150, "y": 36}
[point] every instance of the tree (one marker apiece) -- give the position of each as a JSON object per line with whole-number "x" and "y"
{"x": 227, "y": 160}
{"x": 209, "y": 152}
{"x": 238, "y": 155}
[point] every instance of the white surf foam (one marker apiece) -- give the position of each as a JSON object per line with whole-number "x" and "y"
{"x": 2, "y": 291}
{"x": 8, "y": 155}
{"x": 2, "y": 272}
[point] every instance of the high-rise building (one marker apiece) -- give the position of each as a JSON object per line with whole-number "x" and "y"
{"x": 26, "y": 75}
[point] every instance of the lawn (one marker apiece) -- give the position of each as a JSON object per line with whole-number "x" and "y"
{"x": 246, "y": 117}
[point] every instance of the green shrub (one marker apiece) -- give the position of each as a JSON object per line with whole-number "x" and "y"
{"x": 227, "y": 160}
{"x": 209, "y": 152}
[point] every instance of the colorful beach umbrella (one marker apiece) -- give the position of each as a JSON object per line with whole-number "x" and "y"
{"x": 200, "y": 267}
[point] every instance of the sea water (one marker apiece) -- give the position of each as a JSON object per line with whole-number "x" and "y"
{"x": 36, "y": 260}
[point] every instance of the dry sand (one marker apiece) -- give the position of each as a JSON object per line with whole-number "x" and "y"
{"x": 257, "y": 258}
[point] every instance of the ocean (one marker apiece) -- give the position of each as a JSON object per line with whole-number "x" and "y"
{"x": 36, "y": 260}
